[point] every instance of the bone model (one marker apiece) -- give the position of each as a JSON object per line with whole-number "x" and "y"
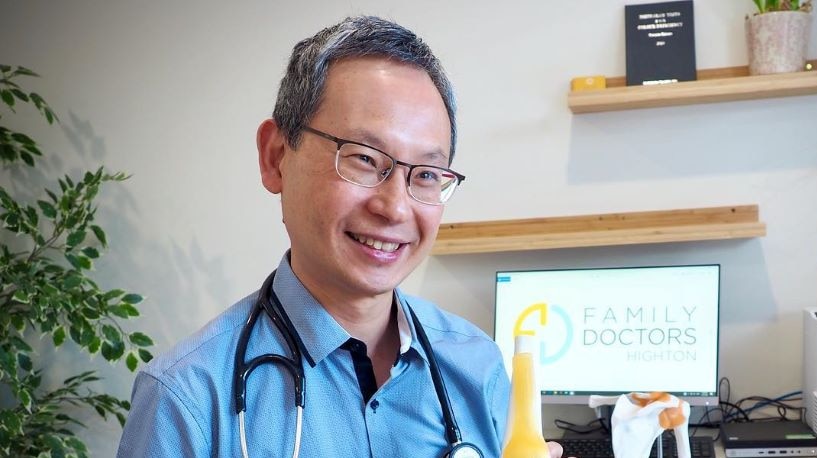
{"x": 639, "y": 418}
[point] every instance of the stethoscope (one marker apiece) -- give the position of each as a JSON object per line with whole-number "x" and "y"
{"x": 268, "y": 302}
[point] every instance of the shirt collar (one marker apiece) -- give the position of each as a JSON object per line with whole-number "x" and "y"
{"x": 403, "y": 327}
{"x": 318, "y": 332}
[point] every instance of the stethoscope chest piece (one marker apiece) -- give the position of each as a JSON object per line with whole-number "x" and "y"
{"x": 464, "y": 450}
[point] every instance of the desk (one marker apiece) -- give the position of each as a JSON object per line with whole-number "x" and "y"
{"x": 712, "y": 432}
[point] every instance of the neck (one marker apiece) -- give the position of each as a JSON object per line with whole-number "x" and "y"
{"x": 371, "y": 323}
{"x": 375, "y": 324}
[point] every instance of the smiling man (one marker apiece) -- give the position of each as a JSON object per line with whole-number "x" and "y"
{"x": 330, "y": 358}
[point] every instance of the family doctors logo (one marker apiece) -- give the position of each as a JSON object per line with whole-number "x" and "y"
{"x": 551, "y": 324}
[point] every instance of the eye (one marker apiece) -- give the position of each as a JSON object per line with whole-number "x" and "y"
{"x": 361, "y": 157}
{"x": 427, "y": 177}
{"x": 366, "y": 159}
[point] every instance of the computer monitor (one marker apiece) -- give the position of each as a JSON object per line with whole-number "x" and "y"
{"x": 610, "y": 331}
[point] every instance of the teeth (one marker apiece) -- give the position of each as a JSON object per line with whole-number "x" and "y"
{"x": 377, "y": 244}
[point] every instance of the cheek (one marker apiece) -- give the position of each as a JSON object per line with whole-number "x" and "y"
{"x": 429, "y": 220}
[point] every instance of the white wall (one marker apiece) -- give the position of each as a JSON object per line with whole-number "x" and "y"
{"x": 172, "y": 92}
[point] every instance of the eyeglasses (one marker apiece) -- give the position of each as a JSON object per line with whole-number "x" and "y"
{"x": 367, "y": 166}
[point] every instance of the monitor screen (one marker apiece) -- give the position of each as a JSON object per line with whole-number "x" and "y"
{"x": 610, "y": 331}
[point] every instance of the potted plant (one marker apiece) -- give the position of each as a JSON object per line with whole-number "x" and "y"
{"x": 777, "y": 36}
{"x": 47, "y": 294}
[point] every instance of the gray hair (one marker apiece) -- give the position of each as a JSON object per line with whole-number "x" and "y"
{"x": 302, "y": 87}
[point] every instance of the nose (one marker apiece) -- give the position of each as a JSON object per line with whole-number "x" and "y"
{"x": 391, "y": 199}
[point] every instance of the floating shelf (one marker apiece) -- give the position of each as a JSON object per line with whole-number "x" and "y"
{"x": 713, "y": 85}
{"x": 681, "y": 225}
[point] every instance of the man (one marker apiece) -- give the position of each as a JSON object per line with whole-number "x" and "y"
{"x": 359, "y": 147}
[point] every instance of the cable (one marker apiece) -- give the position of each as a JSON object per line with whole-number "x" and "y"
{"x": 587, "y": 428}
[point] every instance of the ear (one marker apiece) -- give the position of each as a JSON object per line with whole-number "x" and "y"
{"x": 271, "y": 147}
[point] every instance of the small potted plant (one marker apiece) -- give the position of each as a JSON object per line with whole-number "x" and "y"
{"x": 777, "y": 36}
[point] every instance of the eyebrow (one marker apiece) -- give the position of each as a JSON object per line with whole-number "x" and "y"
{"x": 369, "y": 139}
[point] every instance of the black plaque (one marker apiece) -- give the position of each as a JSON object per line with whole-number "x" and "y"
{"x": 660, "y": 43}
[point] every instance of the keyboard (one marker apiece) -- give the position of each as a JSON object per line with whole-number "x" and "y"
{"x": 700, "y": 446}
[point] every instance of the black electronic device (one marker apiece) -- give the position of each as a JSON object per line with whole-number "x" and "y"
{"x": 768, "y": 438}
{"x": 700, "y": 447}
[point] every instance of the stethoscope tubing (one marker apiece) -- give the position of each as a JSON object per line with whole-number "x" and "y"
{"x": 267, "y": 301}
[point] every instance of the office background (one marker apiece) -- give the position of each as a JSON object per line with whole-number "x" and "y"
{"x": 172, "y": 92}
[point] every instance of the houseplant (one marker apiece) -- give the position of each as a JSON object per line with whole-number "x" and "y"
{"x": 47, "y": 296}
{"x": 777, "y": 36}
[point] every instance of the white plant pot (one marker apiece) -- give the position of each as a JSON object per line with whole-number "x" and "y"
{"x": 777, "y": 41}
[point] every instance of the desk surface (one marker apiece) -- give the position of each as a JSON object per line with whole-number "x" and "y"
{"x": 712, "y": 432}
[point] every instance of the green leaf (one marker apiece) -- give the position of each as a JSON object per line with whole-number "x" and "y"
{"x": 112, "y": 294}
{"x": 90, "y": 313}
{"x": 24, "y": 71}
{"x": 100, "y": 235}
{"x": 7, "y": 97}
{"x": 18, "y": 322}
{"x": 91, "y": 252}
{"x": 59, "y": 336}
{"x": 118, "y": 310}
{"x": 33, "y": 150}
{"x": 48, "y": 210}
{"x": 145, "y": 355}
{"x": 75, "y": 333}
{"x": 79, "y": 262}
{"x": 25, "y": 399}
{"x": 25, "y": 362}
{"x": 20, "y": 94}
{"x": 49, "y": 115}
{"x": 76, "y": 444}
{"x": 71, "y": 281}
{"x": 123, "y": 310}
{"x": 49, "y": 289}
{"x": 140, "y": 339}
{"x": 11, "y": 421}
{"x": 131, "y": 361}
{"x": 75, "y": 238}
{"x": 112, "y": 351}
{"x": 132, "y": 298}
{"x": 27, "y": 158}
{"x": 111, "y": 333}
{"x": 93, "y": 347}
{"x": 132, "y": 311}
{"x": 20, "y": 344}
{"x": 22, "y": 138}
{"x": 21, "y": 297}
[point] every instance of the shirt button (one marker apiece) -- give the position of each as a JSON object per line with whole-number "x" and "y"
{"x": 374, "y": 404}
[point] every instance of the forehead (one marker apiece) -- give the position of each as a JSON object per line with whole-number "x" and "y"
{"x": 393, "y": 103}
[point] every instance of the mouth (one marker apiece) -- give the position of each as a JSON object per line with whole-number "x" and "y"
{"x": 380, "y": 245}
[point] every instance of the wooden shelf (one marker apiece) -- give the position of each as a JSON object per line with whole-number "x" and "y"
{"x": 600, "y": 230}
{"x": 713, "y": 85}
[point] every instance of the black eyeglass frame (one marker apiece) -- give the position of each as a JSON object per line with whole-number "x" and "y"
{"x": 341, "y": 141}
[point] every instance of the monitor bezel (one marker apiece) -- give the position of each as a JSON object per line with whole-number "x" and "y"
{"x": 582, "y": 399}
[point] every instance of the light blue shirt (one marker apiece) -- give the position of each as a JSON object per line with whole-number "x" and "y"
{"x": 182, "y": 402}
